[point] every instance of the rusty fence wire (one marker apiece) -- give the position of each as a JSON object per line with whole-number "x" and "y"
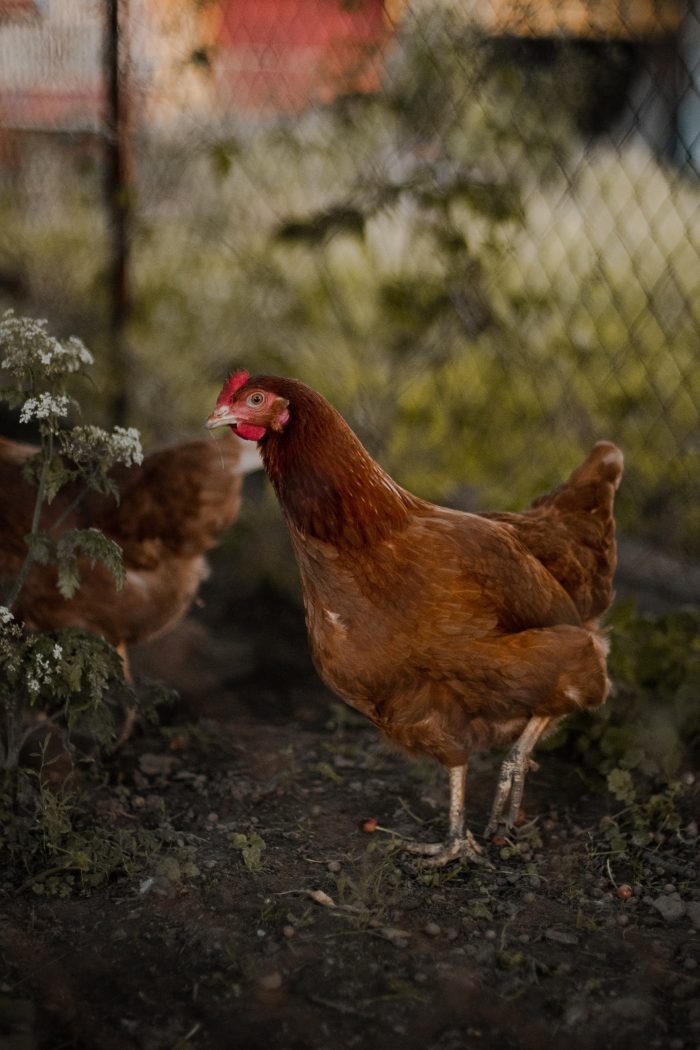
{"x": 473, "y": 225}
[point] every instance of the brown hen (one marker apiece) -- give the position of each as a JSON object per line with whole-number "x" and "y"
{"x": 171, "y": 510}
{"x": 451, "y": 632}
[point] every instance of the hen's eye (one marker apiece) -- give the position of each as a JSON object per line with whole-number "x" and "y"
{"x": 256, "y": 399}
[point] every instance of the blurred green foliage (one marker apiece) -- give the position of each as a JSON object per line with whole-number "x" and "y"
{"x": 650, "y": 725}
{"x": 480, "y": 295}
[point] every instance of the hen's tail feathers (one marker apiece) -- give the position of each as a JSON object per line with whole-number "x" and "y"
{"x": 605, "y": 463}
{"x": 577, "y": 541}
{"x": 249, "y": 458}
{"x": 592, "y": 486}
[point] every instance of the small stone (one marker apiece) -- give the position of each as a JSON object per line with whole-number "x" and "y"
{"x": 490, "y": 935}
{"x": 669, "y": 888}
{"x": 452, "y": 934}
{"x": 432, "y": 929}
{"x": 560, "y": 936}
{"x": 288, "y": 932}
{"x": 334, "y": 866}
{"x": 693, "y": 911}
{"x": 270, "y": 982}
{"x": 670, "y": 906}
{"x": 624, "y": 892}
{"x": 529, "y": 898}
{"x": 213, "y": 818}
{"x": 630, "y": 1009}
{"x": 576, "y": 1015}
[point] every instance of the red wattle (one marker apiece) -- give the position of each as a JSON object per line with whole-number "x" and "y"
{"x": 249, "y": 431}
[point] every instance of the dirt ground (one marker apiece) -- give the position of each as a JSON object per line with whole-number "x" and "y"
{"x": 272, "y": 921}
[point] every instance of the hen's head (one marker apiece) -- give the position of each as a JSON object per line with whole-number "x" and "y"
{"x": 250, "y": 407}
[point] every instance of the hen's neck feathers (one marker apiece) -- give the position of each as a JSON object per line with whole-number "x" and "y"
{"x": 327, "y": 483}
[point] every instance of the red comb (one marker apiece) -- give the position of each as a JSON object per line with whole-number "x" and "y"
{"x": 232, "y": 384}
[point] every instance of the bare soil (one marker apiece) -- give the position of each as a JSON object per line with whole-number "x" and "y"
{"x": 273, "y": 922}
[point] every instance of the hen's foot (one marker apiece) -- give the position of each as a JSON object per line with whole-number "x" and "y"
{"x": 511, "y": 778}
{"x": 511, "y": 783}
{"x": 126, "y": 729}
{"x": 442, "y": 853}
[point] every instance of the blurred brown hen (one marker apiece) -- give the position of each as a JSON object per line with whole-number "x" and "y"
{"x": 451, "y": 632}
{"x": 171, "y": 510}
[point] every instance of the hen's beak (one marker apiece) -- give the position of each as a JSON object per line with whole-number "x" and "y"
{"x": 221, "y": 417}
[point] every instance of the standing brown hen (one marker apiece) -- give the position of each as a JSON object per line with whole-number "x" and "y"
{"x": 451, "y": 632}
{"x": 171, "y": 510}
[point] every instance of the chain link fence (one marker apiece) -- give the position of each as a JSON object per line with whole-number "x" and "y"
{"x": 473, "y": 225}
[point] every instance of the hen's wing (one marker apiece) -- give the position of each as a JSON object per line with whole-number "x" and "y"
{"x": 571, "y": 530}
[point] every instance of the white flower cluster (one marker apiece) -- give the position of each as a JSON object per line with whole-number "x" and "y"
{"x": 27, "y": 346}
{"x": 45, "y": 406}
{"x": 42, "y": 670}
{"x": 87, "y": 444}
{"x": 126, "y": 442}
{"x": 5, "y": 615}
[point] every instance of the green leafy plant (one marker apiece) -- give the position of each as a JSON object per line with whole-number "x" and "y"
{"x": 64, "y": 672}
{"x": 251, "y": 848}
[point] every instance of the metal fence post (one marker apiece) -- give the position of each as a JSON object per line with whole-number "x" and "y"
{"x": 118, "y": 199}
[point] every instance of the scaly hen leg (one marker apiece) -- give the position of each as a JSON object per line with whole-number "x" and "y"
{"x": 511, "y": 778}
{"x": 460, "y": 843}
{"x": 130, "y": 712}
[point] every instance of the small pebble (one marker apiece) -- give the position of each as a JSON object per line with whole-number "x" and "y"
{"x": 334, "y": 865}
{"x": 271, "y": 981}
{"x": 452, "y": 934}
{"x": 432, "y": 929}
{"x": 529, "y": 897}
{"x": 669, "y": 888}
{"x": 288, "y": 932}
{"x": 213, "y": 818}
{"x": 624, "y": 892}
{"x": 490, "y": 935}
